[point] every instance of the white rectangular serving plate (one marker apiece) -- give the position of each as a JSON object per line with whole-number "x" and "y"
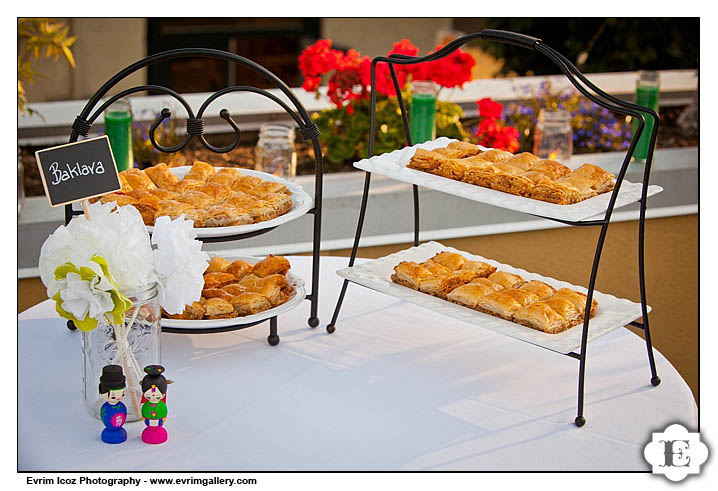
{"x": 611, "y": 314}
{"x": 393, "y": 164}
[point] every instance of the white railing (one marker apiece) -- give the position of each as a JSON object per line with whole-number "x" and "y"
{"x": 678, "y": 87}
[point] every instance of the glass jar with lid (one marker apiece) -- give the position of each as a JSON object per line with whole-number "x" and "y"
{"x": 553, "y": 138}
{"x": 275, "y": 152}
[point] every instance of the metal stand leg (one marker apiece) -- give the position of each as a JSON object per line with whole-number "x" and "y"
{"x": 655, "y": 379}
{"x": 580, "y": 420}
{"x": 273, "y": 338}
{"x": 314, "y": 300}
{"x": 313, "y": 320}
{"x": 331, "y": 327}
{"x": 416, "y": 214}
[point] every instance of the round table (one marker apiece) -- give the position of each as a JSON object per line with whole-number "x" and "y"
{"x": 396, "y": 387}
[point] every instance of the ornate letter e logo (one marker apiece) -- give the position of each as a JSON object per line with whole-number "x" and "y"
{"x": 676, "y": 453}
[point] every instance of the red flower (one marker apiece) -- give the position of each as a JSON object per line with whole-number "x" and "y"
{"x": 453, "y": 70}
{"x": 311, "y": 83}
{"x": 491, "y": 132}
{"x": 316, "y": 60}
{"x": 488, "y": 108}
{"x": 384, "y": 82}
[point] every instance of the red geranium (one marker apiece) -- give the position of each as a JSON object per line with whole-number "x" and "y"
{"x": 384, "y": 82}
{"x": 488, "y": 108}
{"x": 346, "y": 83}
{"x": 453, "y": 70}
{"x": 491, "y": 132}
{"x": 317, "y": 60}
{"x": 350, "y": 73}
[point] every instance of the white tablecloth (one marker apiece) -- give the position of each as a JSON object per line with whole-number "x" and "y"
{"x": 396, "y": 387}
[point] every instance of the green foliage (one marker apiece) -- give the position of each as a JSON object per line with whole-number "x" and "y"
{"x": 346, "y": 136}
{"x": 35, "y": 36}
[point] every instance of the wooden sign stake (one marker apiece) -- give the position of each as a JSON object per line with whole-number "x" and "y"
{"x": 86, "y": 209}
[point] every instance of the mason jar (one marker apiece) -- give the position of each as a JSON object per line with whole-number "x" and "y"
{"x": 133, "y": 345}
{"x": 553, "y": 138}
{"x": 275, "y": 153}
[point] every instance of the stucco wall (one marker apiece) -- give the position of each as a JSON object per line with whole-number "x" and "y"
{"x": 103, "y": 47}
{"x": 375, "y": 37}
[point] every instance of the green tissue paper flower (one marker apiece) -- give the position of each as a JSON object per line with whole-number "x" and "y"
{"x": 88, "y": 294}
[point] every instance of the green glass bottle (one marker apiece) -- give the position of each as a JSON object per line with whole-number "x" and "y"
{"x": 647, "y": 90}
{"x": 118, "y": 127}
{"x": 423, "y": 111}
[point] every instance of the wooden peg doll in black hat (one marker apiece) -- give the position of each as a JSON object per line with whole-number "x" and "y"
{"x": 154, "y": 409}
{"x": 113, "y": 412}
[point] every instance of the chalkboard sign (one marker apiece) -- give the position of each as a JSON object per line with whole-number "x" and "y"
{"x": 78, "y": 170}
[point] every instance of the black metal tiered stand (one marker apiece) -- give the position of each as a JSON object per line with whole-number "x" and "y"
{"x": 195, "y": 128}
{"x": 599, "y": 97}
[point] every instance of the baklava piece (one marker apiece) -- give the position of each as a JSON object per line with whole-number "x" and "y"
{"x": 522, "y": 296}
{"x": 496, "y": 155}
{"x": 235, "y": 289}
{"x": 239, "y": 268}
{"x": 271, "y": 265}
{"x": 481, "y": 176}
{"x": 601, "y": 180}
{"x": 539, "y": 288}
{"x": 565, "y": 309}
{"x": 499, "y": 304}
{"x": 249, "y": 303}
{"x": 161, "y": 193}
{"x": 410, "y": 274}
{"x": 441, "y": 286}
{"x": 217, "y": 308}
{"x": 225, "y": 216}
{"x": 186, "y": 185}
{"x": 550, "y": 168}
{"x": 451, "y": 260}
{"x": 507, "y": 280}
{"x": 268, "y": 187}
{"x": 218, "y": 192}
{"x": 161, "y": 175}
{"x": 470, "y": 294}
{"x": 171, "y": 208}
{"x": 225, "y": 176}
{"x": 482, "y": 269}
{"x": 468, "y": 149}
{"x": 509, "y": 180}
{"x": 217, "y": 293}
{"x": 196, "y": 198}
{"x": 426, "y": 160}
{"x": 456, "y": 168}
{"x": 191, "y": 312}
{"x": 541, "y": 317}
{"x": 560, "y": 193}
{"x": 218, "y": 280}
{"x": 583, "y": 184}
{"x": 245, "y": 183}
{"x": 524, "y": 161}
{"x": 578, "y": 300}
{"x": 217, "y": 265}
{"x": 200, "y": 171}
{"x": 138, "y": 179}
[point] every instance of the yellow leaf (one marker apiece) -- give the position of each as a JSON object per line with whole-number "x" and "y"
{"x": 68, "y": 55}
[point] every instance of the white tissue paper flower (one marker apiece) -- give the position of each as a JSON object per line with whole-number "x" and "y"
{"x": 81, "y": 297}
{"x": 179, "y": 263}
{"x": 118, "y": 236}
